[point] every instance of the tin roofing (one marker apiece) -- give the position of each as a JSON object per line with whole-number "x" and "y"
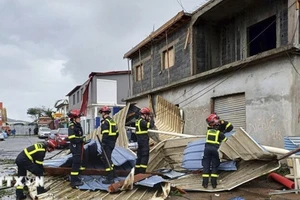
{"x": 252, "y": 161}
{"x": 73, "y": 90}
{"x": 193, "y": 154}
{"x": 292, "y": 143}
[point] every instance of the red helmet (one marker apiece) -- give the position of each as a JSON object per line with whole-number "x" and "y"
{"x": 145, "y": 111}
{"x": 105, "y": 109}
{"x": 52, "y": 144}
{"x": 74, "y": 114}
{"x": 212, "y": 119}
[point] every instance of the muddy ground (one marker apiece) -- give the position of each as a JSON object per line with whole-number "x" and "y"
{"x": 257, "y": 189}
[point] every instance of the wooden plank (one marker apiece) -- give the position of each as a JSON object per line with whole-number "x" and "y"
{"x": 62, "y": 171}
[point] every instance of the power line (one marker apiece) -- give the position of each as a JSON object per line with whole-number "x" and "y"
{"x": 180, "y": 3}
{"x": 287, "y": 53}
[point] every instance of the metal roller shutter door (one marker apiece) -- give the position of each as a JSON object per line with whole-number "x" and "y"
{"x": 232, "y": 108}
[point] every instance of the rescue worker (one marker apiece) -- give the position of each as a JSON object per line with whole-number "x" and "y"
{"x": 76, "y": 138}
{"x": 211, "y": 159}
{"x": 31, "y": 159}
{"x": 221, "y": 125}
{"x": 141, "y": 130}
{"x": 110, "y": 134}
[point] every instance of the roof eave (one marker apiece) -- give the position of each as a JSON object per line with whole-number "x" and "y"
{"x": 156, "y": 33}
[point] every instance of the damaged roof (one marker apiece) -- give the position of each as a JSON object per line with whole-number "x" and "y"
{"x": 171, "y": 25}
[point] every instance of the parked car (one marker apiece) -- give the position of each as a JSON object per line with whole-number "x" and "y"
{"x": 1, "y": 136}
{"x": 44, "y": 132}
{"x": 61, "y": 137}
{"x": 52, "y": 134}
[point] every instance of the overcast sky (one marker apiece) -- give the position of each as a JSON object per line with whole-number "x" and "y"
{"x": 49, "y": 47}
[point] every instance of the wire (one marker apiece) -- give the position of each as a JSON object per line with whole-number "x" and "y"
{"x": 287, "y": 53}
{"x": 180, "y": 3}
{"x": 292, "y": 62}
{"x": 230, "y": 75}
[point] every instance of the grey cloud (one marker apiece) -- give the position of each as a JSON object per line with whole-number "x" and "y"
{"x": 53, "y": 45}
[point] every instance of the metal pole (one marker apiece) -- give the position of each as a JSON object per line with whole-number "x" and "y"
{"x": 169, "y": 133}
{"x": 106, "y": 158}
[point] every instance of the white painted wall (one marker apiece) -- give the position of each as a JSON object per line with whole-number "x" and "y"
{"x": 106, "y": 92}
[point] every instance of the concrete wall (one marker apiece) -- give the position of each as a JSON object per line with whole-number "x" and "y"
{"x": 270, "y": 102}
{"x": 295, "y": 92}
{"x": 224, "y": 41}
{"x": 151, "y": 58}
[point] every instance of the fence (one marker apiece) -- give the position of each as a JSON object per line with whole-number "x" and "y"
{"x": 22, "y": 130}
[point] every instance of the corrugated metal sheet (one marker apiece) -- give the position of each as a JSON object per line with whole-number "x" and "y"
{"x": 61, "y": 189}
{"x": 167, "y": 118}
{"x": 292, "y": 143}
{"x": 151, "y": 181}
{"x": 242, "y": 146}
{"x": 232, "y": 108}
{"x": 193, "y": 154}
{"x": 95, "y": 183}
{"x": 254, "y": 162}
{"x": 247, "y": 171}
{"x": 120, "y": 156}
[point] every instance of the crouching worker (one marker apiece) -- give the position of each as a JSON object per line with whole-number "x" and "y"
{"x": 211, "y": 156}
{"x": 31, "y": 159}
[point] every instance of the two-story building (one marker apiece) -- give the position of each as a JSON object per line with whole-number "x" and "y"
{"x": 239, "y": 59}
{"x": 104, "y": 88}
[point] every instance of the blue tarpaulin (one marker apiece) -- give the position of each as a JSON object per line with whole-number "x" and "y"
{"x": 193, "y": 154}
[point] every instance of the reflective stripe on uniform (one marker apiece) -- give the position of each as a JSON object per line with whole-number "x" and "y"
{"x": 137, "y": 166}
{"x": 138, "y": 127}
{"x": 74, "y": 173}
{"x": 214, "y": 175}
{"x": 74, "y": 136}
{"x": 212, "y": 136}
{"x": 205, "y": 175}
{"x": 37, "y": 148}
{"x": 19, "y": 187}
{"x": 143, "y": 166}
{"x": 82, "y": 168}
{"x": 108, "y": 169}
{"x": 228, "y": 125}
{"x": 39, "y": 162}
{"x": 112, "y": 129}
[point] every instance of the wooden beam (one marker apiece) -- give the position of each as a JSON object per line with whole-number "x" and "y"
{"x": 63, "y": 171}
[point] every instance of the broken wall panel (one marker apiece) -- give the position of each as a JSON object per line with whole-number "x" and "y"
{"x": 167, "y": 118}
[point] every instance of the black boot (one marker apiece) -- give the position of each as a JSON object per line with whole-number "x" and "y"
{"x": 109, "y": 179}
{"x": 41, "y": 190}
{"x": 19, "y": 194}
{"x": 76, "y": 181}
{"x": 115, "y": 174}
{"x": 205, "y": 182}
{"x": 136, "y": 171}
{"x": 213, "y": 182}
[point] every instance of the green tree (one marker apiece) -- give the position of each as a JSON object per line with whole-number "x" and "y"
{"x": 47, "y": 112}
{"x": 34, "y": 113}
